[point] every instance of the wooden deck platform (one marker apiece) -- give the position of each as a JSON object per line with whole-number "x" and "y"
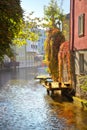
{"x": 54, "y": 86}
{"x": 43, "y": 77}
{"x": 51, "y": 86}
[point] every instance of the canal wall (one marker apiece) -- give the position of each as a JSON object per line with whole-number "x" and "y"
{"x": 81, "y": 86}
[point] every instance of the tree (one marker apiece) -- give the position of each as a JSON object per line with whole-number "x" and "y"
{"x": 29, "y": 30}
{"x": 52, "y": 45}
{"x": 55, "y": 37}
{"x": 53, "y": 15}
{"x": 14, "y": 29}
{"x": 10, "y": 18}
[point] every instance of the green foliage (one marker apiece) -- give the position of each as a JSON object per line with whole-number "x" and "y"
{"x": 28, "y": 30}
{"x": 83, "y": 83}
{"x": 84, "y": 86}
{"x": 10, "y": 16}
{"x": 53, "y": 15}
{"x": 13, "y": 28}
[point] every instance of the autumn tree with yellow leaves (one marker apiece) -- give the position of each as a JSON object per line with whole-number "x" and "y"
{"x": 55, "y": 37}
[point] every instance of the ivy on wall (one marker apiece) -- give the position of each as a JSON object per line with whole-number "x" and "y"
{"x": 64, "y": 58}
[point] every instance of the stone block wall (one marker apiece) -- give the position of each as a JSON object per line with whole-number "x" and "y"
{"x": 81, "y": 86}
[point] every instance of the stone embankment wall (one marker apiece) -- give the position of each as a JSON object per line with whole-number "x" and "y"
{"x": 81, "y": 87}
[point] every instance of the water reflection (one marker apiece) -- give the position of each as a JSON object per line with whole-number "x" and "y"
{"x": 24, "y": 105}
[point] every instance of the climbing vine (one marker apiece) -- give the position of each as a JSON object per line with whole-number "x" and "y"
{"x": 52, "y": 44}
{"x": 64, "y": 58}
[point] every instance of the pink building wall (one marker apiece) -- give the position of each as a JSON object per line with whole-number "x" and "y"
{"x": 78, "y": 7}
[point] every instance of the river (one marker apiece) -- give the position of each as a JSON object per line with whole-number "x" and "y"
{"x": 25, "y": 105}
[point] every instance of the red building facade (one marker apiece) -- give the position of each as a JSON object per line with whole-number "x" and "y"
{"x": 78, "y": 37}
{"x": 78, "y": 24}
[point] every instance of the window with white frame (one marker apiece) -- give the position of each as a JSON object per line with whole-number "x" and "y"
{"x": 81, "y": 22}
{"x": 81, "y": 63}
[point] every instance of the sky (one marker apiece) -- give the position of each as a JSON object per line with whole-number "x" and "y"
{"x": 38, "y": 6}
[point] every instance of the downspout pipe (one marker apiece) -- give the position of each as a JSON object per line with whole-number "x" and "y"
{"x": 73, "y": 22}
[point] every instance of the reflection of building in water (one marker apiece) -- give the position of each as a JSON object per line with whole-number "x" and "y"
{"x": 31, "y": 54}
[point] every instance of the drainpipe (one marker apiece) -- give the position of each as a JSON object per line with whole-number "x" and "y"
{"x": 73, "y": 21}
{"x": 72, "y": 13}
{"x": 72, "y": 25}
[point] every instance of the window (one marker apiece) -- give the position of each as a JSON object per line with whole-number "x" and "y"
{"x": 31, "y": 46}
{"x": 81, "y": 25}
{"x": 81, "y": 63}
